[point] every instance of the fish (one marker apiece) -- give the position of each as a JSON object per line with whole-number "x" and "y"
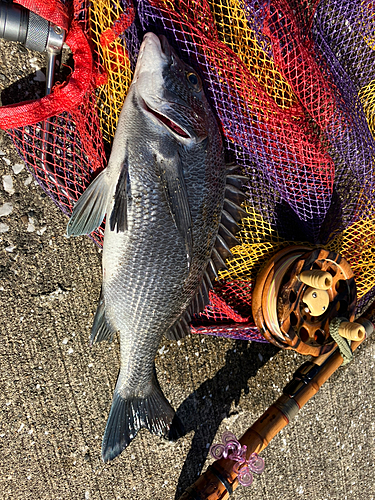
{"x": 172, "y": 205}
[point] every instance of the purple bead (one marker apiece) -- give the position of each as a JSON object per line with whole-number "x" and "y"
{"x": 245, "y": 477}
{"x": 217, "y": 451}
{"x": 256, "y": 463}
{"x": 232, "y": 449}
{"x": 237, "y": 466}
{"x": 228, "y": 436}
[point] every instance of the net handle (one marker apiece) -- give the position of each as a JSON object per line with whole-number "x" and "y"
{"x": 62, "y": 98}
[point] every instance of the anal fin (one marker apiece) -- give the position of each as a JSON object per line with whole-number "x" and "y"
{"x": 101, "y": 328}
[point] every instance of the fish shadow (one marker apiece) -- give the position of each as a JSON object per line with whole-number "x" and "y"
{"x": 205, "y": 409}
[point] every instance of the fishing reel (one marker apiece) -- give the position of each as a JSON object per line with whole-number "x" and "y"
{"x": 299, "y": 293}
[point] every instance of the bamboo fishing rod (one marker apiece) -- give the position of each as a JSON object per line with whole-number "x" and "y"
{"x": 220, "y": 480}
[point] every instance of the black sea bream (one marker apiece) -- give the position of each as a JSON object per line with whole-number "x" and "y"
{"x": 171, "y": 208}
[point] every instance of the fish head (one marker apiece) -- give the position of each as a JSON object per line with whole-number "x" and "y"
{"x": 170, "y": 92}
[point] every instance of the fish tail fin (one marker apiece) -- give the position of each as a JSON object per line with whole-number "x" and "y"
{"x": 128, "y": 415}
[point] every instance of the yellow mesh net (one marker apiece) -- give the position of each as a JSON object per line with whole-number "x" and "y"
{"x": 355, "y": 243}
{"x": 233, "y": 29}
{"x": 107, "y": 21}
{"x": 367, "y": 97}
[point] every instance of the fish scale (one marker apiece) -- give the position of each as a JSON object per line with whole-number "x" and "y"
{"x": 137, "y": 302}
{"x": 163, "y": 192}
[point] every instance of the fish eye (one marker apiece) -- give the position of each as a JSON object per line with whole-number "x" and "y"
{"x": 194, "y": 80}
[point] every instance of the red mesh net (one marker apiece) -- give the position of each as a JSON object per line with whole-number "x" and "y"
{"x": 296, "y": 112}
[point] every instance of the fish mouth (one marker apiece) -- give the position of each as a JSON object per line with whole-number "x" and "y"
{"x": 165, "y": 47}
{"x": 168, "y": 123}
{"x": 159, "y": 44}
{"x": 157, "y": 51}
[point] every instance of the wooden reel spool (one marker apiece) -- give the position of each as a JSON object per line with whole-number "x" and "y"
{"x": 281, "y": 300}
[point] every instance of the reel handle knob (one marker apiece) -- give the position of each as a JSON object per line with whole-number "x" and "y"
{"x": 316, "y": 279}
{"x": 352, "y": 331}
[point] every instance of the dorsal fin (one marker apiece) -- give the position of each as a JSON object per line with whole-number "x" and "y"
{"x": 180, "y": 328}
{"x": 212, "y": 271}
{"x": 201, "y": 298}
{"x": 217, "y": 260}
{"x": 229, "y": 222}
{"x": 204, "y": 292}
{"x": 225, "y": 239}
{"x": 222, "y": 247}
{"x": 234, "y": 209}
{"x": 232, "y": 167}
{"x": 200, "y": 302}
{"x": 228, "y": 236}
{"x": 207, "y": 278}
{"x": 231, "y": 213}
{"x": 176, "y": 332}
{"x": 234, "y": 194}
{"x": 236, "y": 180}
{"x": 185, "y": 323}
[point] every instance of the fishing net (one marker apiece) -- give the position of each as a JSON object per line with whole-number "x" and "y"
{"x": 293, "y": 86}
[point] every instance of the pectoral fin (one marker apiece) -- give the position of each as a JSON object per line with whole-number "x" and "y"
{"x": 90, "y": 209}
{"x": 119, "y": 215}
{"x": 173, "y": 181}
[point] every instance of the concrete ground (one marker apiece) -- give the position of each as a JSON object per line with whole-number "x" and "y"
{"x": 56, "y": 391}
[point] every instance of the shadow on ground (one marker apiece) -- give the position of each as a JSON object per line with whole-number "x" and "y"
{"x": 203, "y": 414}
